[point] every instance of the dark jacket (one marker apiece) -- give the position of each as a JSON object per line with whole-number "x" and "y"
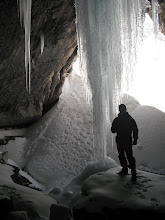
{"x": 125, "y": 127}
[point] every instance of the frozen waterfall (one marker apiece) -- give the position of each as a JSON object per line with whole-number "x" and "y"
{"x": 155, "y": 7}
{"x": 108, "y": 35}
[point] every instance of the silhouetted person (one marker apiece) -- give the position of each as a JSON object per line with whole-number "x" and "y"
{"x": 127, "y": 134}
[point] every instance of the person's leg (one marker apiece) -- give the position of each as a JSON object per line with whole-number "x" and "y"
{"x": 131, "y": 160}
{"x": 134, "y": 175}
{"x": 130, "y": 157}
{"x": 122, "y": 159}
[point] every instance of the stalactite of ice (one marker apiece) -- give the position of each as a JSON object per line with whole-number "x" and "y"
{"x": 155, "y": 18}
{"x": 108, "y": 34}
{"x": 25, "y": 19}
{"x": 42, "y": 42}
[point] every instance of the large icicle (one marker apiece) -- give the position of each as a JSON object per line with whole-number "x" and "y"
{"x": 108, "y": 33}
{"x": 25, "y": 19}
{"x": 155, "y": 18}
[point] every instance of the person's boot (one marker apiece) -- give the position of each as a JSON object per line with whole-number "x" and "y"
{"x": 134, "y": 176}
{"x": 124, "y": 171}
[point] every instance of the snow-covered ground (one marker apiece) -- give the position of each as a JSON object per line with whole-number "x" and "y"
{"x": 23, "y": 198}
{"x": 106, "y": 195}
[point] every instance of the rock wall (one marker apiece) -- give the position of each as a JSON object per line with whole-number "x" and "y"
{"x": 162, "y": 16}
{"x": 56, "y": 20}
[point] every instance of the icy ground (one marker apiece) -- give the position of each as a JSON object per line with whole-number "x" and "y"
{"x": 103, "y": 193}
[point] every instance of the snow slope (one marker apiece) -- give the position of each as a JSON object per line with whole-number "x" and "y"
{"x": 60, "y": 145}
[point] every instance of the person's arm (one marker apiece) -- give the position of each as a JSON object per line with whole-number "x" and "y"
{"x": 114, "y": 126}
{"x": 135, "y": 133}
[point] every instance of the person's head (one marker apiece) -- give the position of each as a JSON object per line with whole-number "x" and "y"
{"x": 122, "y": 108}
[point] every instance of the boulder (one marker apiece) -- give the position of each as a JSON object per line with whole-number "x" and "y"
{"x": 107, "y": 195}
{"x": 60, "y": 212}
{"x": 6, "y": 206}
{"x": 18, "y": 215}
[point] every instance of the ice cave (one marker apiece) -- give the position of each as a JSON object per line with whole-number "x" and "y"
{"x": 66, "y": 66}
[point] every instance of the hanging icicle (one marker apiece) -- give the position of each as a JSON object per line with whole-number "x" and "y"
{"x": 155, "y": 17}
{"x": 25, "y": 20}
{"x": 108, "y": 33}
{"x": 42, "y": 42}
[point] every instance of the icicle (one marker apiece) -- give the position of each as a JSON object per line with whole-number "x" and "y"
{"x": 155, "y": 16}
{"x": 42, "y": 42}
{"x": 108, "y": 33}
{"x": 25, "y": 19}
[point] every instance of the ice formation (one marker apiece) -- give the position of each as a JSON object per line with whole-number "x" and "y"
{"x": 42, "y": 42}
{"x": 60, "y": 144}
{"x": 25, "y": 19}
{"x": 155, "y": 18}
{"x": 108, "y": 34}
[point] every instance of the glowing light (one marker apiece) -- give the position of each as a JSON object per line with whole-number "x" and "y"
{"x": 149, "y": 76}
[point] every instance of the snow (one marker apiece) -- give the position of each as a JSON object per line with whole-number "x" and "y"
{"x": 95, "y": 190}
{"x": 109, "y": 195}
{"x": 70, "y": 193}
{"x": 60, "y": 145}
{"x": 20, "y": 194}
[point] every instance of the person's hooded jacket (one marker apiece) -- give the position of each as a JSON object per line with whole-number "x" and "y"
{"x": 126, "y": 128}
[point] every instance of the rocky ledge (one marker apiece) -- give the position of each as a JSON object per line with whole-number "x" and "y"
{"x": 107, "y": 195}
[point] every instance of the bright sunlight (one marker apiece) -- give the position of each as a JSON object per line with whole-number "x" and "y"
{"x": 149, "y": 75}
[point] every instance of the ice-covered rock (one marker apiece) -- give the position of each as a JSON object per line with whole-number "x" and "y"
{"x": 107, "y": 195}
